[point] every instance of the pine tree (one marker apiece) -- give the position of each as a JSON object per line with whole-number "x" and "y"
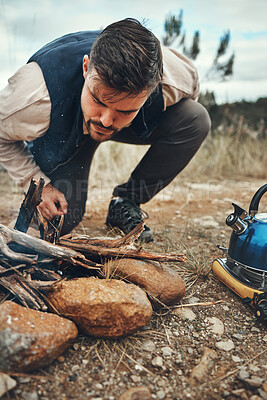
{"x": 175, "y": 35}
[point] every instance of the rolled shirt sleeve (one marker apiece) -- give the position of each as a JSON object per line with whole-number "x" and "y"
{"x": 25, "y": 108}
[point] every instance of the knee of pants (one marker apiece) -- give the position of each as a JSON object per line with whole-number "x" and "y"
{"x": 201, "y": 120}
{"x": 186, "y": 122}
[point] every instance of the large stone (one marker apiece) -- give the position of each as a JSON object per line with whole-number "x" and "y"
{"x": 160, "y": 282}
{"x": 102, "y": 307}
{"x": 31, "y": 339}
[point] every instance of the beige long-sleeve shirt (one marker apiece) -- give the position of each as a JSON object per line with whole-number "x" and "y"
{"x": 25, "y": 108}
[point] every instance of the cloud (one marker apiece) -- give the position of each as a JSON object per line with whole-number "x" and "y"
{"x": 25, "y": 26}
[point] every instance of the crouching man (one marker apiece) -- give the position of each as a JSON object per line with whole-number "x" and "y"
{"x": 88, "y": 87}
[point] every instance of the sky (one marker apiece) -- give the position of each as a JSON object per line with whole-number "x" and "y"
{"x": 26, "y": 25}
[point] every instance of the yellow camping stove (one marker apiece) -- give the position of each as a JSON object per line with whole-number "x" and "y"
{"x": 244, "y": 268}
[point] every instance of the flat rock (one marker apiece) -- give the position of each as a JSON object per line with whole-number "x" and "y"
{"x": 236, "y": 359}
{"x": 217, "y": 325}
{"x": 6, "y": 383}
{"x": 137, "y": 393}
{"x": 203, "y": 368}
{"x": 167, "y": 351}
{"x": 243, "y": 374}
{"x": 185, "y": 313}
{"x": 31, "y": 339}
{"x": 149, "y": 346}
{"x": 254, "y": 381}
{"x": 160, "y": 282}
{"x": 157, "y": 362}
{"x": 102, "y": 307}
{"x": 193, "y": 300}
{"x": 30, "y": 396}
{"x": 226, "y": 345}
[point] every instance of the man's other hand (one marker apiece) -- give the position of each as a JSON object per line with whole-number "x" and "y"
{"x": 53, "y": 202}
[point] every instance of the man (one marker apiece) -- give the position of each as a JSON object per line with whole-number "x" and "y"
{"x": 88, "y": 87}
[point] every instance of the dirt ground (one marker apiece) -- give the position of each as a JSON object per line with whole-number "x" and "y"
{"x": 185, "y": 217}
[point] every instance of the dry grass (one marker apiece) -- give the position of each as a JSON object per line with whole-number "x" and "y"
{"x": 226, "y": 156}
{"x": 223, "y": 155}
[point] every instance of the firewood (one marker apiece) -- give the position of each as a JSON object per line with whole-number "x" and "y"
{"x": 22, "y": 291}
{"x": 127, "y": 240}
{"x": 29, "y": 204}
{"x": 73, "y": 256}
{"x": 92, "y": 250}
{"x": 41, "y": 247}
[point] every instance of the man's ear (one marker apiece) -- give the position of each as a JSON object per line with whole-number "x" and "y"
{"x": 85, "y": 65}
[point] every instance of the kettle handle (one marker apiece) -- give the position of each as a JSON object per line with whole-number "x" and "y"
{"x": 254, "y": 204}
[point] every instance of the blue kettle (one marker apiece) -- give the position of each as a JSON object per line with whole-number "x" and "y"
{"x": 248, "y": 242}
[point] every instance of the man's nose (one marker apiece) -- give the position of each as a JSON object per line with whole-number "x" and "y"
{"x": 107, "y": 117}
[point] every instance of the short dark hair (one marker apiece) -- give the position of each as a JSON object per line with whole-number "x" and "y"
{"x": 127, "y": 57}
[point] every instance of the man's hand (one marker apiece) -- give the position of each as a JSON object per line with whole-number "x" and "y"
{"x": 53, "y": 202}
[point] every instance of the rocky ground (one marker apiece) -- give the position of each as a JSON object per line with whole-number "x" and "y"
{"x": 195, "y": 352}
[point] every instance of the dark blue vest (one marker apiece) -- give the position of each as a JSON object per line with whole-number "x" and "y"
{"x": 61, "y": 64}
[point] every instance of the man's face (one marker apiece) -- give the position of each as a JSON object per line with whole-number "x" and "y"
{"x": 106, "y": 113}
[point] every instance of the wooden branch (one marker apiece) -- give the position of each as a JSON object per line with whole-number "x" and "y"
{"x": 89, "y": 249}
{"x": 31, "y": 201}
{"x": 78, "y": 252}
{"x": 42, "y": 247}
{"x": 126, "y": 240}
{"x": 18, "y": 286}
{"x": 5, "y": 250}
{"x": 10, "y": 269}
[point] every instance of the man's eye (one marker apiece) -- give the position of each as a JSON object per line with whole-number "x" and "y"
{"x": 95, "y": 100}
{"x": 127, "y": 112}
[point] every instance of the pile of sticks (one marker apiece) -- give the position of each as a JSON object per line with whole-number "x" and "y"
{"x": 30, "y": 266}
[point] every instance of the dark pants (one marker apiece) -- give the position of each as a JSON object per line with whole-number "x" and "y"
{"x": 177, "y": 137}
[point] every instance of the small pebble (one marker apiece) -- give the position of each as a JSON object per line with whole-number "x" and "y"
{"x": 254, "y": 381}
{"x": 160, "y": 394}
{"x": 30, "y": 396}
{"x": 238, "y": 336}
{"x": 135, "y": 378}
{"x": 236, "y": 359}
{"x": 227, "y": 345}
{"x": 263, "y": 394}
{"x": 157, "y": 362}
{"x": 24, "y": 379}
{"x": 254, "y": 368}
{"x": 190, "y": 350}
{"x": 243, "y": 374}
{"x": 167, "y": 351}
{"x": 185, "y": 313}
{"x": 148, "y": 345}
{"x": 193, "y": 300}
{"x": 99, "y": 386}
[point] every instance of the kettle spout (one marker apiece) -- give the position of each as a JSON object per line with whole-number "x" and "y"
{"x": 236, "y": 219}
